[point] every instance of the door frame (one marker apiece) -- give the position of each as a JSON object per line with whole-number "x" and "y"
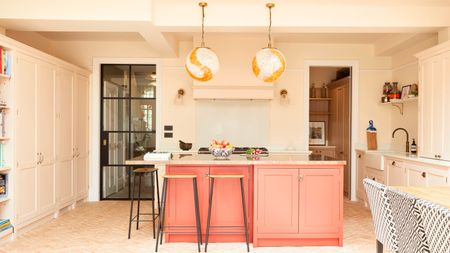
{"x": 94, "y": 128}
{"x": 354, "y": 127}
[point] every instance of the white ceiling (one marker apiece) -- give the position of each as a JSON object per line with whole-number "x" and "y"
{"x": 92, "y": 36}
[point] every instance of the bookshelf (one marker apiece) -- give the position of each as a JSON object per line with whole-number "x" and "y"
{"x": 6, "y": 133}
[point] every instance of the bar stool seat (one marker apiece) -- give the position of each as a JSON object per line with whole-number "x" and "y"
{"x": 162, "y": 227}
{"x": 226, "y": 176}
{"x": 180, "y": 176}
{"x": 244, "y": 210}
{"x": 140, "y": 172}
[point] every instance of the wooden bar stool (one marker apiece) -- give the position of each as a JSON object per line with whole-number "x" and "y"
{"x": 140, "y": 172}
{"x": 211, "y": 189}
{"x": 161, "y": 227}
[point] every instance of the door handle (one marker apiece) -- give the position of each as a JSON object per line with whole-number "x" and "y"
{"x": 105, "y": 142}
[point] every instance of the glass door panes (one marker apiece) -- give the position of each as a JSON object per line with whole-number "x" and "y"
{"x": 128, "y": 124}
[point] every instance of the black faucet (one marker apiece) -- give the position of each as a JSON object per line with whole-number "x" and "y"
{"x": 407, "y": 137}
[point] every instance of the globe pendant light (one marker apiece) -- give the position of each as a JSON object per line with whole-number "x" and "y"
{"x": 269, "y": 63}
{"x": 202, "y": 63}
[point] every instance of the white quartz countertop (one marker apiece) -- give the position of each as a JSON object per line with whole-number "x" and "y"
{"x": 406, "y": 156}
{"x": 272, "y": 159}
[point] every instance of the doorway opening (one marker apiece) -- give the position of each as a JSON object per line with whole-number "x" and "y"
{"x": 330, "y": 116}
{"x": 127, "y": 126}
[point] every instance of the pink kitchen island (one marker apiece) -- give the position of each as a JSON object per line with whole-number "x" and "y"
{"x": 292, "y": 199}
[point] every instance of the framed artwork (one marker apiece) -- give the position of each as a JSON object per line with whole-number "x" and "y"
{"x": 317, "y": 133}
{"x": 405, "y": 91}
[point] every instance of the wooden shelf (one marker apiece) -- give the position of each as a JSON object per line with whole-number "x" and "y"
{"x": 4, "y": 108}
{"x": 4, "y": 199}
{"x": 4, "y": 138}
{"x": 4, "y": 169}
{"x": 398, "y": 103}
{"x": 319, "y": 99}
{"x": 6, "y": 232}
{"x": 3, "y": 76}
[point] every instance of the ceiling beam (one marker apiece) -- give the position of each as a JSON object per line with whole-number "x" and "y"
{"x": 392, "y": 44}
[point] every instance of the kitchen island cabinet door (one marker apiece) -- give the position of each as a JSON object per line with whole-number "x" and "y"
{"x": 277, "y": 201}
{"x": 226, "y": 212}
{"x": 180, "y": 209}
{"x": 320, "y": 202}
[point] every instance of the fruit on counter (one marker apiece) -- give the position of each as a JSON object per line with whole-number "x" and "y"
{"x": 253, "y": 152}
{"x": 221, "y": 144}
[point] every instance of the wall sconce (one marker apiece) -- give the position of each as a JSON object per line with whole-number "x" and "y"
{"x": 283, "y": 93}
{"x": 181, "y": 93}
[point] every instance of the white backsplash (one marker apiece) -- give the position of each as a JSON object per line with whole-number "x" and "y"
{"x": 242, "y": 122}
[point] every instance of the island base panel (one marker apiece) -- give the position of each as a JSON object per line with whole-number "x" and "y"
{"x": 295, "y": 242}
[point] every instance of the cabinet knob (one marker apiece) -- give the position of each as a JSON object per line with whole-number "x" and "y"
{"x": 393, "y": 162}
{"x": 300, "y": 178}
{"x": 424, "y": 175}
{"x": 374, "y": 179}
{"x": 359, "y": 156}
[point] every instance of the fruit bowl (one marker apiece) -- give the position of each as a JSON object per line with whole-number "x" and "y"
{"x": 221, "y": 149}
{"x": 221, "y": 152}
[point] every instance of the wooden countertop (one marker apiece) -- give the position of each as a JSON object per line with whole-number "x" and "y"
{"x": 439, "y": 195}
{"x": 272, "y": 159}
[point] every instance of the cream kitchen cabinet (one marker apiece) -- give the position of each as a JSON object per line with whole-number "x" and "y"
{"x": 50, "y": 137}
{"x": 411, "y": 173}
{"x": 434, "y": 105}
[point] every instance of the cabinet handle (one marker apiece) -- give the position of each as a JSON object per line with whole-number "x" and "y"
{"x": 437, "y": 156}
{"x": 374, "y": 179}
{"x": 393, "y": 162}
{"x": 424, "y": 175}
{"x": 300, "y": 178}
{"x": 359, "y": 156}
{"x": 38, "y": 158}
{"x": 42, "y": 158}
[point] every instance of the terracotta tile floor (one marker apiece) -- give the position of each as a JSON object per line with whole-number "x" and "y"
{"x": 102, "y": 227}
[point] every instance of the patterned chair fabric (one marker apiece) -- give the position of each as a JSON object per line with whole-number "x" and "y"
{"x": 381, "y": 214}
{"x": 436, "y": 222}
{"x": 407, "y": 222}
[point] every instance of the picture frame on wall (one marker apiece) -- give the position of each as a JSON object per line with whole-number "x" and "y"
{"x": 405, "y": 91}
{"x": 317, "y": 135}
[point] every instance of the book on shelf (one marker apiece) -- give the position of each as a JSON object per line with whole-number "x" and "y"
{"x": 5, "y": 224}
{"x": 2, "y": 164}
{"x": 5, "y": 63}
{"x": 2, "y": 124}
{"x": 3, "y": 185}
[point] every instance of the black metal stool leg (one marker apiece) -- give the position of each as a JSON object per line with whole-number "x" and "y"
{"x": 131, "y": 206}
{"x": 157, "y": 193}
{"x": 379, "y": 247}
{"x": 139, "y": 202}
{"x": 197, "y": 215}
{"x": 208, "y": 223}
{"x": 163, "y": 209}
{"x": 153, "y": 203}
{"x": 161, "y": 222}
{"x": 245, "y": 213}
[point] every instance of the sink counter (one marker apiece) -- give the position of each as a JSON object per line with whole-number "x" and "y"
{"x": 235, "y": 159}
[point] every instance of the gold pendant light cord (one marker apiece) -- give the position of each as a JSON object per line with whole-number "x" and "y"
{"x": 270, "y": 27}
{"x": 203, "y": 5}
{"x": 270, "y": 6}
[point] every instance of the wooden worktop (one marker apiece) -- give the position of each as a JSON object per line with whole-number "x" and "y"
{"x": 439, "y": 195}
{"x": 235, "y": 159}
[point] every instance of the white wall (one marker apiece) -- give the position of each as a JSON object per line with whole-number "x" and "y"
{"x": 406, "y": 71}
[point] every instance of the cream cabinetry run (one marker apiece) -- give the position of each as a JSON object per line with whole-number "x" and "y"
{"x": 410, "y": 173}
{"x": 434, "y": 105}
{"x": 51, "y": 137}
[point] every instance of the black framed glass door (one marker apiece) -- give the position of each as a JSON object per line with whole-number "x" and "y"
{"x": 128, "y": 125}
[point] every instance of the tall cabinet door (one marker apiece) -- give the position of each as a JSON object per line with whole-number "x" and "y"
{"x": 65, "y": 173}
{"x": 431, "y": 107}
{"x": 25, "y": 136}
{"x": 46, "y": 136}
{"x": 320, "y": 201}
{"x": 81, "y": 135}
{"x": 277, "y": 196}
{"x": 446, "y": 108}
